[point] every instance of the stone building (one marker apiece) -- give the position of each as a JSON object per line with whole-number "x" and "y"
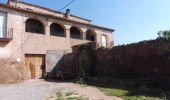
{"x": 34, "y": 38}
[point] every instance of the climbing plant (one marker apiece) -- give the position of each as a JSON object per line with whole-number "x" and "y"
{"x": 86, "y": 59}
{"x": 167, "y": 52}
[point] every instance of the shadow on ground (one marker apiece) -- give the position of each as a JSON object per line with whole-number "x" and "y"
{"x": 131, "y": 87}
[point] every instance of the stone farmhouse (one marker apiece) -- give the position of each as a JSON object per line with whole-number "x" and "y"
{"x": 34, "y": 38}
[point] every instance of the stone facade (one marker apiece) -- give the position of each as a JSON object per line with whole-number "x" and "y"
{"x": 16, "y": 42}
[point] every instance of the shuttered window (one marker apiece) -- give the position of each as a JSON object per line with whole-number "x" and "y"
{"x": 2, "y": 24}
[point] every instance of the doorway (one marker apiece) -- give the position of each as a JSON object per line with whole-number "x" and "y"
{"x": 35, "y": 65}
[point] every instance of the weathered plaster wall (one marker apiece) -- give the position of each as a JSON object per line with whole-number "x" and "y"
{"x": 32, "y": 43}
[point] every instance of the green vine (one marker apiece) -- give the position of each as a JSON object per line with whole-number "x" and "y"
{"x": 167, "y": 52}
{"x": 87, "y": 66}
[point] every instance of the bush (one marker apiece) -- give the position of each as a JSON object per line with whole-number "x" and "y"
{"x": 83, "y": 46}
{"x": 101, "y": 47}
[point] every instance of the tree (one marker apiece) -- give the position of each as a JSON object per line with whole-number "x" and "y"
{"x": 164, "y": 34}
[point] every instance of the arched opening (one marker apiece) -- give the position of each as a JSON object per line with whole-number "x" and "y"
{"x": 57, "y": 30}
{"x": 75, "y": 33}
{"x": 34, "y": 26}
{"x": 90, "y": 35}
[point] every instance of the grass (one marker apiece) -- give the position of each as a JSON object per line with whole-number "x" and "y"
{"x": 124, "y": 94}
{"x": 67, "y": 96}
{"x": 60, "y": 98}
{"x": 76, "y": 98}
{"x": 69, "y": 93}
{"x": 127, "y": 89}
{"x": 59, "y": 94}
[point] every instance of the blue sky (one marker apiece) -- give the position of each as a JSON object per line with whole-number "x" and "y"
{"x": 133, "y": 20}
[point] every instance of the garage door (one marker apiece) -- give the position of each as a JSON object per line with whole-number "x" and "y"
{"x": 54, "y": 60}
{"x": 2, "y": 24}
{"x": 35, "y": 65}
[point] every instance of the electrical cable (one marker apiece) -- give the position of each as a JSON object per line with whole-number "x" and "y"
{"x": 67, "y": 5}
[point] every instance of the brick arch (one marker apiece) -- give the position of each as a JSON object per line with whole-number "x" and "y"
{"x": 33, "y": 25}
{"x": 76, "y": 33}
{"x": 57, "y": 29}
{"x": 90, "y": 35}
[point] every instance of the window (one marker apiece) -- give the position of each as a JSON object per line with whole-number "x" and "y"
{"x": 90, "y": 35}
{"x": 2, "y": 24}
{"x": 104, "y": 41}
{"x": 75, "y": 33}
{"x": 56, "y": 30}
{"x": 34, "y": 26}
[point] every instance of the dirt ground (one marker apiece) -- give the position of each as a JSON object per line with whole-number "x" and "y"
{"x": 43, "y": 90}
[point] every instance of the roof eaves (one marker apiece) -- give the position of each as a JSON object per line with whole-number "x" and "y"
{"x": 51, "y": 10}
{"x": 41, "y": 13}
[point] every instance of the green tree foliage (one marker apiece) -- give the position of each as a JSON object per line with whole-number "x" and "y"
{"x": 164, "y": 34}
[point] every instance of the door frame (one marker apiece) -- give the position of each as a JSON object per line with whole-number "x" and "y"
{"x": 4, "y": 24}
{"x": 44, "y": 57}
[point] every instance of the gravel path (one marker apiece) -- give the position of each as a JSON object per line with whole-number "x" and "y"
{"x": 41, "y": 90}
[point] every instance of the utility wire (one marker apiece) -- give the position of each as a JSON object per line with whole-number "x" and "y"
{"x": 67, "y": 5}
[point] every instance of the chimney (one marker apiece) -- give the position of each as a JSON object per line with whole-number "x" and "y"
{"x": 67, "y": 14}
{"x": 12, "y": 2}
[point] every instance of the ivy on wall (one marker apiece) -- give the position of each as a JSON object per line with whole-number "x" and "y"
{"x": 167, "y": 52}
{"x": 86, "y": 59}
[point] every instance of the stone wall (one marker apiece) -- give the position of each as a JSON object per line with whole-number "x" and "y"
{"x": 146, "y": 59}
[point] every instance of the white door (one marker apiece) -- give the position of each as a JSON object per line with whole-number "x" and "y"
{"x": 2, "y": 24}
{"x": 104, "y": 41}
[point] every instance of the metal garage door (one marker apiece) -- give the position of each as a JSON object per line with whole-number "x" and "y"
{"x": 54, "y": 60}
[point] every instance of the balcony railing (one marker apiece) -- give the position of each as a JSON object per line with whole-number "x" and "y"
{"x": 7, "y": 37}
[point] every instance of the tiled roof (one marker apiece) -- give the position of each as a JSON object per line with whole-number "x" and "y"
{"x": 51, "y": 15}
{"x": 51, "y": 10}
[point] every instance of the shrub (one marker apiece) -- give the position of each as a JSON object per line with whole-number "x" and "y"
{"x": 101, "y": 47}
{"x": 83, "y": 46}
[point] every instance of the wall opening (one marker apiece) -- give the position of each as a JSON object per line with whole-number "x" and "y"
{"x": 75, "y": 33}
{"x": 90, "y": 35}
{"x": 35, "y": 65}
{"x": 34, "y": 26}
{"x": 104, "y": 41}
{"x": 2, "y": 24}
{"x": 57, "y": 30}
